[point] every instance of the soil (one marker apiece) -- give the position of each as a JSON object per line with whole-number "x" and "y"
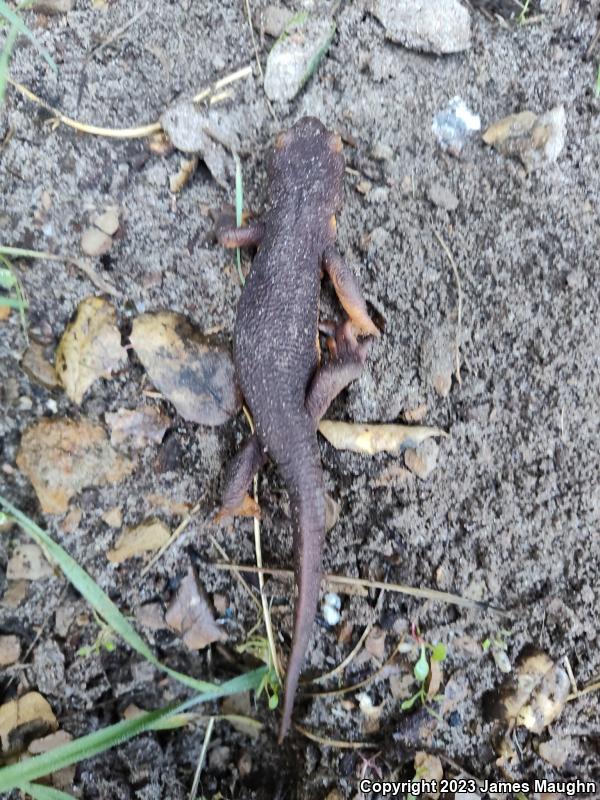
{"x": 509, "y": 515}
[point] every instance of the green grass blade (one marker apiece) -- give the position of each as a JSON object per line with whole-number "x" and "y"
{"x": 43, "y": 792}
{"x": 5, "y": 58}
{"x": 18, "y": 252}
{"x": 97, "y": 598}
{"x": 13, "y": 302}
{"x": 16, "y": 21}
{"x": 239, "y": 210}
{"x": 99, "y": 741}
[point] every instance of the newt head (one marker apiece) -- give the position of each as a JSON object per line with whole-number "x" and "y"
{"x": 307, "y": 160}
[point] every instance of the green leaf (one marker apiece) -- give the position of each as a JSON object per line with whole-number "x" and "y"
{"x": 421, "y": 668}
{"x": 439, "y": 652}
{"x": 273, "y": 702}
{"x": 485, "y": 645}
{"x": 43, "y": 792}
{"x": 406, "y": 704}
{"x": 97, "y": 598}
{"x": 16, "y": 21}
{"x": 99, "y": 741}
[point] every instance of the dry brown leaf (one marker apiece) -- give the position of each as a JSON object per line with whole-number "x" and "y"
{"x": 113, "y": 517}
{"x": 190, "y": 614}
{"x": 435, "y": 679}
{"x": 375, "y": 643}
{"x": 376, "y": 438}
{"x": 5, "y": 312}
{"x": 26, "y": 718}
{"x": 47, "y": 743}
{"x": 139, "y": 425}
{"x": 167, "y": 504}
{"x": 537, "y": 694}
{"x": 148, "y": 536}
{"x": 10, "y": 650}
{"x": 15, "y": 593}
{"x": 27, "y": 563}
{"x": 429, "y": 769}
{"x": 194, "y": 373}
{"x": 90, "y": 347}
{"x": 35, "y": 364}
{"x": 60, "y": 457}
{"x": 151, "y": 616}
{"x": 71, "y": 521}
{"x": 534, "y": 139}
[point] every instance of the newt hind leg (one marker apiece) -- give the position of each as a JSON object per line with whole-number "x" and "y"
{"x": 347, "y": 359}
{"x": 240, "y": 472}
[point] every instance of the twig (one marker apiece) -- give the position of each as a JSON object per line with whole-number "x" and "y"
{"x": 333, "y": 742}
{"x": 450, "y": 257}
{"x": 119, "y": 31}
{"x": 238, "y": 574}
{"x": 574, "y": 689}
{"x": 202, "y": 758}
{"x": 413, "y": 591}
{"x": 140, "y": 131}
{"x": 360, "y": 684}
{"x": 258, "y": 64}
{"x": 175, "y": 535}
{"x": 592, "y": 687}
{"x": 342, "y": 666}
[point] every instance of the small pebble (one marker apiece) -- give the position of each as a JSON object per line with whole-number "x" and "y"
{"x": 423, "y": 460}
{"x": 330, "y": 609}
{"x": 442, "y": 197}
{"x": 95, "y": 243}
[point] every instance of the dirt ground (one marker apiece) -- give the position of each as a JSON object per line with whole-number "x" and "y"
{"x": 510, "y": 513}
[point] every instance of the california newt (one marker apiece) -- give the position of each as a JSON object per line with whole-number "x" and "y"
{"x": 277, "y": 355}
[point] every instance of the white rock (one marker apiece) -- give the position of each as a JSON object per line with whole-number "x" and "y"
{"x": 95, "y": 243}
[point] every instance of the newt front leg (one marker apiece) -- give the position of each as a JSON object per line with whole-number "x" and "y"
{"x": 348, "y": 291}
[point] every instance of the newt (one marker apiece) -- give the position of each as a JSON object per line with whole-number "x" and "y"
{"x": 277, "y": 355}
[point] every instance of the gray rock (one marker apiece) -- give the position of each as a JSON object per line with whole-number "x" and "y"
{"x": 442, "y": 197}
{"x": 433, "y": 26}
{"x": 295, "y": 56}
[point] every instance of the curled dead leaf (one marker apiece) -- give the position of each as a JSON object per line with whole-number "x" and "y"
{"x": 189, "y": 614}
{"x": 90, "y": 348}
{"x": 35, "y": 364}
{"x": 139, "y": 425}
{"x": 536, "y": 695}
{"x": 193, "y": 372}
{"x": 376, "y": 438}
{"x": 24, "y": 719}
{"x": 150, "y": 535}
{"x": 60, "y": 457}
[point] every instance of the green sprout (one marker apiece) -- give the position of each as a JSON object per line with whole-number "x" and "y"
{"x": 422, "y": 670}
{"x": 258, "y": 646}
{"x": 105, "y": 640}
{"x": 15, "y": 295}
{"x": 522, "y": 18}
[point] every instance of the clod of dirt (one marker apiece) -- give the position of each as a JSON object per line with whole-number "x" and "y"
{"x": 535, "y": 140}
{"x": 51, "y": 7}
{"x": 206, "y": 133}
{"x": 24, "y": 719}
{"x": 423, "y": 460}
{"x": 275, "y": 19}
{"x": 433, "y": 26}
{"x": 137, "y": 426}
{"x": 10, "y": 650}
{"x": 295, "y": 56}
{"x": 90, "y": 348}
{"x": 538, "y": 696}
{"x": 108, "y": 221}
{"x": 429, "y": 769}
{"x": 60, "y": 457}
{"x": 372, "y": 439}
{"x": 149, "y": 536}
{"x": 189, "y": 613}
{"x": 556, "y": 750}
{"x": 95, "y": 242}
{"x": 438, "y": 359}
{"x": 442, "y": 197}
{"x": 28, "y": 563}
{"x": 196, "y": 375}
{"x": 38, "y": 368}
